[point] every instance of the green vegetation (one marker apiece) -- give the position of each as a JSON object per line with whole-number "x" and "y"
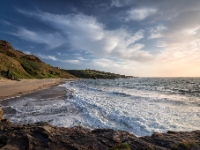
{"x": 185, "y": 145}
{"x": 14, "y": 67}
{"x": 150, "y": 147}
{"x": 95, "y": 74}
{"x": 123, "y": 146}
{"x": 17, "y": 65}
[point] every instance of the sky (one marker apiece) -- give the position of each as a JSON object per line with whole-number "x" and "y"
{"x": 145, "y": 38}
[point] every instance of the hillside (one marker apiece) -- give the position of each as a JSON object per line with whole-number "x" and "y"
{"x": 96, "y": 74}
{"x": 15, "y": 64}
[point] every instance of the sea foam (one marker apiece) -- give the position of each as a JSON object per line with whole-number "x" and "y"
{"x": 139, "y": 106}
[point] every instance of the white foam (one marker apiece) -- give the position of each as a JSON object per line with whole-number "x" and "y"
{"x": 98, "y": 104}
{"x": 139, "y": 112}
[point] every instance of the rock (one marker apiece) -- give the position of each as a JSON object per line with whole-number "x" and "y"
{"x": 42, "y": 135}
{"x": 1, "y": 114}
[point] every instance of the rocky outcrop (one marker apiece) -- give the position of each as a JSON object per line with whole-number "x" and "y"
{"x": 43, "y": 136}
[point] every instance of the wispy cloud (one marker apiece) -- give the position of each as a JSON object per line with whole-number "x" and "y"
{"x": 52, "y": 40}
{"x": 108, "y": 63}
{"x": 139, "y": 14}
{"x": 116, "y": 3}
{"x": 85, "y": 33}
{"x": 27, "y": 52}
{"x": 5, "y": 22}
{"x": 157, "y": 32}
{"x": 48, "y": 57}
{"x": 120, "y": 3}
{"x": 171, "y": 29}
{"x": 161, "y": 44}
{"x": 71, "y": 61}
{"x": 81, "y": 58}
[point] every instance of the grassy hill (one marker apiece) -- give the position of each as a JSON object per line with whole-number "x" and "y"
{"x": 15, "y": 64}
{"x": 96, "y": 74}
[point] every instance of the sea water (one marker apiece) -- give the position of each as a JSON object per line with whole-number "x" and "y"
{"x": 138, "y": 105}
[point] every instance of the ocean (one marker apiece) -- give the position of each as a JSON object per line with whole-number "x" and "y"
{"x": 138, "y": 105}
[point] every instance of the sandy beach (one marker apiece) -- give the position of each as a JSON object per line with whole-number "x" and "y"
{"x": 11, "y": 88}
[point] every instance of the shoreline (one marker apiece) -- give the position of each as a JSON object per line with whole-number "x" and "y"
{"x": 13, "y": 88}
{"x": 42, "y": 135}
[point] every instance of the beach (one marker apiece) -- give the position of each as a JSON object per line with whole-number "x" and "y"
{"x": 12, "y": 88}
{"x": 84, "y": 114}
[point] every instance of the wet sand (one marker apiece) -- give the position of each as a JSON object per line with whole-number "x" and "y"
{"x": 11, "y": 88}
{"x": 47, "y": 105}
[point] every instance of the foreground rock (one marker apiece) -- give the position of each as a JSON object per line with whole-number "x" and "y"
{"x": 43, "y": 136}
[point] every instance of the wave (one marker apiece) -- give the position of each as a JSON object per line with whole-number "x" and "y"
{"x": 139, "y": 106}
{"x": 137, "y": 111}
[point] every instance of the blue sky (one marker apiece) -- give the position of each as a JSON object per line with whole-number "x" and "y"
{"x": 155, "y": 38}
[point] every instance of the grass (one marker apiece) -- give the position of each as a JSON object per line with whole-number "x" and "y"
{"x": 95, "y": 74}
{"x": 42, "y": 70}
{"x": 14, "y": 67}
{"x": 122, "y": 146}
{"x": 149, "y": 147}
{"x": 21, "y": 65}
{"x": 20, "y": 68}
{"x": 185, "y": 145}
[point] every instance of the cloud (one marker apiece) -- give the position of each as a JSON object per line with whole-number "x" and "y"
{"x": 71, "y": 61}
{"x": 156, "y": 32}
{"x": 180, "y": 40}
{"x": 85, "y": 33}
{"x": 48, "y": 57}
{"x": 139, "y": 14}
{"x": 173, "y": 30}
{"x": 103, "y": 62}
{"x": 81, "y": 58}
{"x": 27, "y": 52}
{"x": 120, "y": 3}
{"x": 161, "y": 44}
{"x": 74, "y": 61}
{"x": 108, "y": 63}
{"x": 52, "y": 40}
{"x": 116, "y": 3}
{"x": 5, "y": 22}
